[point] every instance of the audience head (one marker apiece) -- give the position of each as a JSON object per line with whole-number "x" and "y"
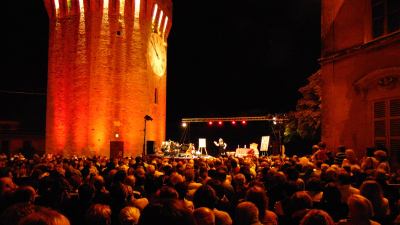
{"x": 25, "y": 194}
{"x": 205, "y": 196}
{"x": 380, "y": 155}
{"x": 258, "y": 197}
{"x": 167, "y": 192}
{"x": 45, "y": 216}
{"x": 98, "y": 214}
{"x": 167, "y": 212}
{"x": 322, "y": 145}
{"x": 317, "y": 217}
{"x": 15, "y": 213}
{"x": 204, "y": 216}
{"x": 301, "y": 200}
{"x": 246, "y": 213}
{"x": 341, "y": 148}
{"x": 360, "y": 208}
{"x": 129, "y": 216}
{"x": 7, "y": 186}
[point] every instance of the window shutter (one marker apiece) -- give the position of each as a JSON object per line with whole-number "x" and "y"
{"x": 394, "y": 124}
{"x": 379, "y": 110}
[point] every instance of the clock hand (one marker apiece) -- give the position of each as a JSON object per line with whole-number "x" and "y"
{"x": 155, "y": 49}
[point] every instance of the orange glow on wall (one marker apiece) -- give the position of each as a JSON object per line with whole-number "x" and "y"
{"x": 98, "y": 74}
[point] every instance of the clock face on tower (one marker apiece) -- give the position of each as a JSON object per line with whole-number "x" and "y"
{"x": 157, "y": 54}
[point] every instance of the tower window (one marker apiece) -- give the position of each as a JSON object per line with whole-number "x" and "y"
{"x": 156, "y": 96}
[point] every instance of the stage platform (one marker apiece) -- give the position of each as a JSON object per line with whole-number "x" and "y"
{"x": 180, "y": 156}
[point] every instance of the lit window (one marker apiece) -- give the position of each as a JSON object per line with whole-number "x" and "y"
{"x": 165, "y": 25}
{"x": 69, "y": 5}
{"x": 81, "y": 6}
{"x": 156, "y": 96}
{"x": 57, "y": 4}
{"x": 159, "y": 21}
{"x": 385, "y": 17}
{"x": 122, "y": 8}
{"x": 153, "y": 18}
{"x": 137, "y": 9}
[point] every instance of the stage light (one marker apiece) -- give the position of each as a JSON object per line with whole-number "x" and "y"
{"x": 184, "y": 124}
{"x": 219, "y": 122}
{"x": 244, "y": 122}
{"x": 116, "y": 135}
{"x": 274, "y": 122}
{"x": 233, "y": 122}
{"x": 210, "y": 123}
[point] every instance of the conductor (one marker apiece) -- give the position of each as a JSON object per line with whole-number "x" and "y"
{"x": 221, "y": 146}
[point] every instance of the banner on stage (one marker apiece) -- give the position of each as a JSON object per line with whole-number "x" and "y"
{"x": 264, "y": 143}
{"x": 202, "y": 142}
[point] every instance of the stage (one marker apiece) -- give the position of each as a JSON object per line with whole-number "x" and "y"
{"x": 180, "y": 156}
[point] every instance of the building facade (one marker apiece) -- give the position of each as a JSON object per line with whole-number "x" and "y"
{"x": 360, "y": 68}
{"x": 106, "y": 72}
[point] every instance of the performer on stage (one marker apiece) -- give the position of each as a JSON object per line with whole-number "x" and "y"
{"x": 221, "y": 146}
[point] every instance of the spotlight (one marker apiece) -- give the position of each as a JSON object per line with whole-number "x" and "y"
{"x": 210, "y": 123}
{"x": 220, "y": 123}
{"x": 184, "y": 124}
{"x": 116, "y": 135}
{"x": 244, "y": 122}
{"x": 233, "y": 122}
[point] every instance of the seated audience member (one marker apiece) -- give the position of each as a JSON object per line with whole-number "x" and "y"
{"x": 331, "y": 202}
{"x": 205, "y": 196}
{"x": 373, "y": 192}
{"x": 381, "y": 157}
{"x": 258, "y": 196}
{"x": 369, "y": 162}
{"x": 45, "y": 216}
{"x": 7, "y": 188}
{"x": 204, "y": 216}
{"x": 300, "y": 204}
{"x": 314, "y": 189}
{"x": 340, "y": 155}
{"x": 344, "y": 184}
{"x": 166, "y": 212}
{"x": 320, "y": 154}
{"x": 98, "y": 214}
{"x": 129, "y": 216}
{"x": 360, "y": 211}
{"x": 246, "y": 214}
{"x": 317, "y": 217}
{"x": 24, "y": 194}
{"x": 13, "y": 214}
{"x": 351, "y": 158}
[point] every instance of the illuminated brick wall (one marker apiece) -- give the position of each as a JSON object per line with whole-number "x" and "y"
{"x": 99, "y": 78}
{"x": 353, "y": 63}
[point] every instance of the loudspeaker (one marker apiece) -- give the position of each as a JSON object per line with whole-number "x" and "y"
{"x": 150, "y": 147}
{"x": 116, "y": 149}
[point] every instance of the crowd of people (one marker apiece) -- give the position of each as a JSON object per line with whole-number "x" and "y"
{"x": 325, "y": 188}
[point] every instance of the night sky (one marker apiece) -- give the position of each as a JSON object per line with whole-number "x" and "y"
{"x": 225, "y": 58}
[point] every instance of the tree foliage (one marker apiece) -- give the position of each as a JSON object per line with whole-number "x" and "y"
{"x": 305, "y": 122}
{"x": 308, "y": 109}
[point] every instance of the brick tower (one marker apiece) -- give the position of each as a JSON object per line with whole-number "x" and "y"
{"x": 106, "y": 72}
